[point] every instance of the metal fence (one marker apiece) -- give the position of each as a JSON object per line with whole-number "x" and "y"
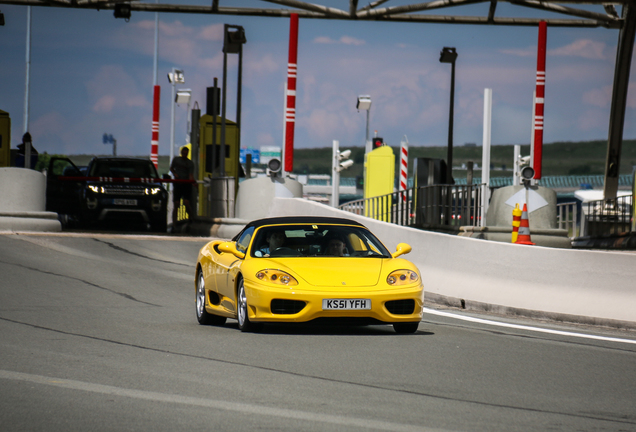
{"x": 608, "y": 217}
{"x": 568, "y": 218}
{"x": 441, "y": 207}
{"x": 597, "y": 218}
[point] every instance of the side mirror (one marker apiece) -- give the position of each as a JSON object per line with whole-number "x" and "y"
{"x": 402, "y": 249}
{"x": 166, "y": 177}
{"x": 230, "y": 247}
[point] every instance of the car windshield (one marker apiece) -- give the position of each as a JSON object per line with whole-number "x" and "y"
{"x": 316, "y": 241}
{"x": 123, "y": 168}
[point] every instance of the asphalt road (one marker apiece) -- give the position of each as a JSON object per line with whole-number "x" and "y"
{"x": 98, "y": 333}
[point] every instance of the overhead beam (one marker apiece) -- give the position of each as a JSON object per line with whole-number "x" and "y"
{"x": 333, "y": 12}
{"x": 414, "y": 18}
{"x": 395, "y": 10}
{"x": 612, "y": 21}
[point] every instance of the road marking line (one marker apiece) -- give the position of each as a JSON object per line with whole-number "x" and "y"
{"x": 344, "y": 421}
{"x": 530, "y": 328}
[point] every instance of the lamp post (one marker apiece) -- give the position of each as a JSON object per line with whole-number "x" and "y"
{"x": 184, "y": 96}
{"x": 364, "y": 103}
{"x": 175, "y": 77}
{"x": 449, "y": 55}
{"x": 233, "y": 41}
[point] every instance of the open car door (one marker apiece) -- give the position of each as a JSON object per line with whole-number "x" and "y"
{"x": 63, "y": 196}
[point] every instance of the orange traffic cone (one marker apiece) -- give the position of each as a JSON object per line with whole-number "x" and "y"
{"x": 524, "y": 228}
{"x": 516, "y": 222}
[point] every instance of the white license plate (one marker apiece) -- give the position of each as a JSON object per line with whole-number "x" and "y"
{"x": 346, "y": 304}
{"x": 129, "y": 202}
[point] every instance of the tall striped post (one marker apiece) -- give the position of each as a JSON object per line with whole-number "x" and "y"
{"x": 290, "y": 110}
{"x": 404, "y": 167}
{"x": 539, "y": 101}
{"x": 154, "y": 144}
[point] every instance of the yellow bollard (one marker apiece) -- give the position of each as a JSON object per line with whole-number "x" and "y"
{"x": 516, "y": 222}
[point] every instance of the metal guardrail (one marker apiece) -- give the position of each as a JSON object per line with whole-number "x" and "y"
{"x": 608, "y": 217}
{"x": 597, "y": 218}
{"x": 568, "y": 218}
{"x": 555, "y": 182}
{"x": 443, "y": 207}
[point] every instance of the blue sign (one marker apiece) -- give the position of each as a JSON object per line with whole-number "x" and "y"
{"x": 256, "y": 155}
{"x": 108, "y": 139}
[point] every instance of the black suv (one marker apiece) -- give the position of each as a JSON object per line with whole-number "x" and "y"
{"x": 109, "y": 188}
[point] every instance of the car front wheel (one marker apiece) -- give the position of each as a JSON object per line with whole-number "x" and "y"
{"x": 244, "y": 323}
{"x": 407, "y": 327}
{"x": 203, "y": 316}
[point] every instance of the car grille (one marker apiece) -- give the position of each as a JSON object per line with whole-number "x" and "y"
{"x": 286, "y": 307}
{"x": 124, "y": 190}
{"x": 401, "y": 307}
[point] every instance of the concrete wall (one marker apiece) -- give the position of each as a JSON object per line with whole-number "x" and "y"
{"x": 23, "y": 201}
{"x": 598, "y": 285}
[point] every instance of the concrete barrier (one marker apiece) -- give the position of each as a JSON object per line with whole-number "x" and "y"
{"x": 23, "y": 202}
{"x": 595, "y": 287}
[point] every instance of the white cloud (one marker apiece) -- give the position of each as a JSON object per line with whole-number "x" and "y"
{"x": 344, "y": 40}
{"x": 212, "y": 32}
{"x": 584, "y": 48}
{"x": 599, "y": 97}
{"x": 105, "y": 104}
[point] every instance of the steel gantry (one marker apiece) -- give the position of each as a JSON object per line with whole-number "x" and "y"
{"x": 413, "y": 11}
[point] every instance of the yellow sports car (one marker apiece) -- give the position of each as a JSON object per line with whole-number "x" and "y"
{"x": 300, "y": 269}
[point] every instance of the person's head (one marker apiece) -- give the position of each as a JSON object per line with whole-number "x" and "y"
{"x": 184, "y": 152}
{"x": 335, "y": 246}
{"x": 276, "y": 239}
{"x": 26, "y": 138}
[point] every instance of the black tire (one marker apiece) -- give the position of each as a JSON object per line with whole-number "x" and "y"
{"x": 244, "y": 323}
{"x": 406, "y": 328}
{"x": 203, "y": 316}
{"x": 159, "y": 225}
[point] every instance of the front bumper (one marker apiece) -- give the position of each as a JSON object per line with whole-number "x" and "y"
{"x": 260, "y": 298}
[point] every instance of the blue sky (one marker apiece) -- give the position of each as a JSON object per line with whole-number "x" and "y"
{"x": 92, "y": 74}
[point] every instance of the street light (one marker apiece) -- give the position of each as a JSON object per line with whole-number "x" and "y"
{"x": 175, "y": 77}
{"x": 184, "y": 96}
{"x": 449, "y": 55}
{"x": 233, "y": 40}
{"x": 364, "y": 103}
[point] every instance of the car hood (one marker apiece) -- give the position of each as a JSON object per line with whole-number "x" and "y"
{"x": 335, "y": 272}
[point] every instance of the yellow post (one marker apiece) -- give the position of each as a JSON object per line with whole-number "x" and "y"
{"x": 5, "y": 139}
{"x": 516, "y": 222}
{"x": 379, "y": 180}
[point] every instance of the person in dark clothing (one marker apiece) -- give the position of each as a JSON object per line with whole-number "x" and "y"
{"x": 182, "y": 168}
{"x": 22, "y": 149}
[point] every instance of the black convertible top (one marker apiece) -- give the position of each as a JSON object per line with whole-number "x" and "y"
{"x": 290, "y": 220}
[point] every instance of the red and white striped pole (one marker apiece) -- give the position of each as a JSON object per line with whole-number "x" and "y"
{"x": 290, "y": 110}
{"x": 539, "y": 101}
{"x": 154, "y": 145}
{"x": 404, "y": 167}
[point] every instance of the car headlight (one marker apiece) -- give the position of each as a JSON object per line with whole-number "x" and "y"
{"x": 153, "y": 191}
{"x": 96, "y": 189}
{"x": 276, "y": 277}
{"x": 402, "y": 277}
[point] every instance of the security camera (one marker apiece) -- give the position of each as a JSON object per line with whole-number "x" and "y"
{"x": 345, "y": 154}
{"x": 524, "y": 160}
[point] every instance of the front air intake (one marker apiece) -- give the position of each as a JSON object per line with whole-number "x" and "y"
{"x": 286, "y": 307}
{"x": 400, "y": 307}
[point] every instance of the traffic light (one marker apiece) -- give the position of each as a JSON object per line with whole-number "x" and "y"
{"x": 377, "y": 142}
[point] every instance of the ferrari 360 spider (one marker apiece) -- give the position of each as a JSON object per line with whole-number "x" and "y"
{"x": 301, "y": 269}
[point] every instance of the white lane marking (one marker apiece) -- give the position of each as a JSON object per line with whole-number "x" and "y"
{"x": 530, "y": 328}
{"x": 346, "y": 422}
